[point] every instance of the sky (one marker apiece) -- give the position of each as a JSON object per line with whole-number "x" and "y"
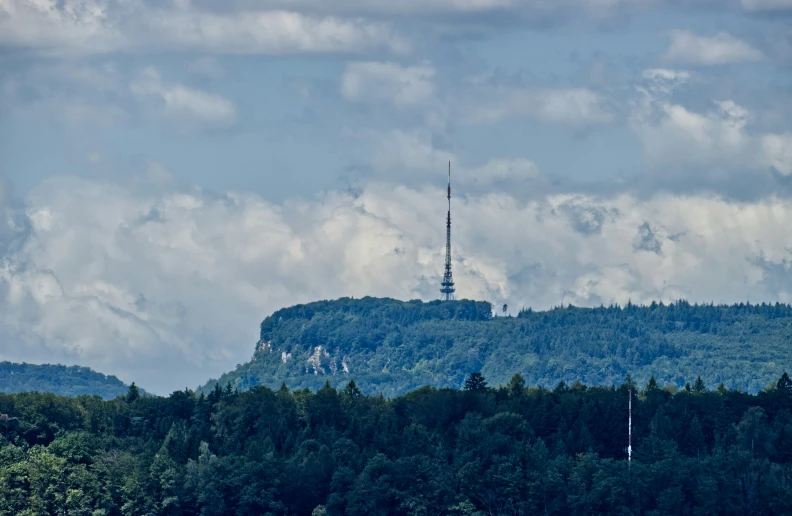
{"x": 174, "y": 171}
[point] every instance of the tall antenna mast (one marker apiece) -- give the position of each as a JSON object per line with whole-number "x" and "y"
{"x": 447, "y": 286}
{"x": 629, "y": 429}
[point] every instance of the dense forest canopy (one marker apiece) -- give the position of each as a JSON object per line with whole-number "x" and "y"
{"x": 391, "y": 347}
{"x": 58, "y": 379}
{"x": 480, "y": 451}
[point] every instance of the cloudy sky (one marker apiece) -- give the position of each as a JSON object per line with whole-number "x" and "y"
{"x": 173, "y": 171}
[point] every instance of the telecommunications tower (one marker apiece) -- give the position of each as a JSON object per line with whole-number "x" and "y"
{"x": 447, "y": 286}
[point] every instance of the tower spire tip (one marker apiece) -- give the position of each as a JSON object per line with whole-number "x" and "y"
{"x": 448, "y": 281}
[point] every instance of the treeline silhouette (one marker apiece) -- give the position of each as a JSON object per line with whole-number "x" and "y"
{"x": 510, "y": 450}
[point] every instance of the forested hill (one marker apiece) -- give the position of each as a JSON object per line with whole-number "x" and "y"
{"x": 391, "y": 347}
{"x": 58, "y": 379}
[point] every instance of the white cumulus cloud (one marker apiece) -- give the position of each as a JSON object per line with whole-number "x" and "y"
{"x": 102, "y": 26}
{"x": 168, "y": 288}
{"x": 682, "y": 135}
{"x": 413, "y": 157}
{"x": 722, "y": 136}
{"x": 778, "y": 152}
{"x": 577, "y": 107}
{"x": 688, "y": 48}
{"x": 180, "y": 102}
{"x": 663, "y": 81}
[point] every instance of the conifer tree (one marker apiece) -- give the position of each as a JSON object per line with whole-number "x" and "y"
{"x": 133, "y": 393}
{"x": 516, "y": 386}
{"x": 784, "y": 383}
{"x": 475, "y": 382}
{"x": 651, "y": 385}
{"x": 699, "y": 385}
{"x": 352, "y": 391}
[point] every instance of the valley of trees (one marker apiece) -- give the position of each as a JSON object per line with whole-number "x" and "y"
{"x": 58, "y": 379}
{"x": 511, "y": 450}
{"x": 392, "y": 347}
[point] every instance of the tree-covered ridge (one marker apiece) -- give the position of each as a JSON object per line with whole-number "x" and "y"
{"x": 391, "y": 347}
{"x": 58, "y": 379}
{"x": 480, "y": 451}
{"x": 383, "y": 311}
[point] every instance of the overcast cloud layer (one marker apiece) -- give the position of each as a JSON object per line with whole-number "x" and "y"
{"x": 173, "y": 172}
{"x": 139, "y": 284}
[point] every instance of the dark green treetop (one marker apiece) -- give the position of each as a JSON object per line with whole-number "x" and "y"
{"x": 475, "y": 382}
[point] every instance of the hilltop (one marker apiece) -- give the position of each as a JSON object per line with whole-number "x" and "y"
{"x": 390, "y": 347}
{"x": 58, "y": 379}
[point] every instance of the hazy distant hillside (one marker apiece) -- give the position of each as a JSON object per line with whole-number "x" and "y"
{"x": 391, "y": 346}
{"x": 58, "y": 379}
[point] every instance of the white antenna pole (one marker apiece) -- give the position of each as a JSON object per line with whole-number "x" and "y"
{"x": 629, "y": 430}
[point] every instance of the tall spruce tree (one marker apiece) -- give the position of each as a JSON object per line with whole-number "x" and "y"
{"x": 699, "y": 385}
{"x": 475, "y": 382}
{"x": 784, "y": 383}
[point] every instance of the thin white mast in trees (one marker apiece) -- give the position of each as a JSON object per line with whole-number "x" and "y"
{"x": 629, "y": 429}
{"x": 447, "y": 286}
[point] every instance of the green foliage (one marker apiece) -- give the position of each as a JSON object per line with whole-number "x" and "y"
{"x": 516, "y": 386}
{"x": 504, "y": 450}
{"x": 58, "y": 379}
{"x": 475, "y": 382}
{"x": 392, "y": 347}
{"x": 351, "y": 391}
{"x": 133, "y": 393}
{"x": 699, "y": 385}
{"x": 784, "y": 383}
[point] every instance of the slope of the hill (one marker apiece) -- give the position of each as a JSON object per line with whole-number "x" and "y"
{"x": 58, "y": 379}
{"x": 391, "y": 347}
